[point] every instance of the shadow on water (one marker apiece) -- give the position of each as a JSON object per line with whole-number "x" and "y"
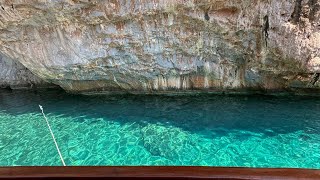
{"x": 269, "y": 115}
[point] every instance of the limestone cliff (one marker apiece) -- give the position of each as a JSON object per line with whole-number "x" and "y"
{"x": 165, "y": 45}
{"x": 14, "y": 75}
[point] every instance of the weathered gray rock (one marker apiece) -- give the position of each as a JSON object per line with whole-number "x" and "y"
{"x": 14, "y": 75}
{"x": 164, "y": 45}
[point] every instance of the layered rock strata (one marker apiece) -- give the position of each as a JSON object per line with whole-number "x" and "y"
{"x": 165, "y": 45}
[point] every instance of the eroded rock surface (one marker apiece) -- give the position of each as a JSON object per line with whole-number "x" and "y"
{"x": 14, "y": 75}
{"x": 164, "y": 45}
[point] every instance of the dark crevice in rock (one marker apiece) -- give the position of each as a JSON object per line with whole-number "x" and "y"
{"x": 2, "y": 7}
{"x": 295, "y": 16}
{"x": 206, "y": 16}
{"x": 6, "y": 87}
{"x": 315, "y": 78}
{"x": 314, "y": 6}
{"x": 265, "y": 29}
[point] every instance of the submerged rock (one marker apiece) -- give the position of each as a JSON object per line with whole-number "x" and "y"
{"x": 164, "y": 46}
{"x": 170, "y": 143}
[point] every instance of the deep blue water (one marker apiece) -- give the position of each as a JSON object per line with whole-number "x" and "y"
{"x": 205, "y": 130}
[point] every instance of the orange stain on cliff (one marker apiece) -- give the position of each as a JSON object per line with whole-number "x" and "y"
{"x": 119, "y": 25}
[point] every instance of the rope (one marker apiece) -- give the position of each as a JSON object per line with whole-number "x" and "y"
{"x": 55, "y": 142}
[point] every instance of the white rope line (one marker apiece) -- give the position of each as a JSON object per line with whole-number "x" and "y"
{"x": 55, "y": 142}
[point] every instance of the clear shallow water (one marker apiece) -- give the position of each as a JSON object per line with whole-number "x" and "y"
{"x": 250, "y": 131}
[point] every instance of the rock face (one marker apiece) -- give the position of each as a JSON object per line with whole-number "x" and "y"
{"x": 163, "y": 45}
{"x": 14, "y": 75}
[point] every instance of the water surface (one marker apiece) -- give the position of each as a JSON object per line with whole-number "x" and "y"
{"x": 205, "y": 130}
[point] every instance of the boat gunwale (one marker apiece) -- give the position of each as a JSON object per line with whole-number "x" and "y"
{"x": 155, "y": 172}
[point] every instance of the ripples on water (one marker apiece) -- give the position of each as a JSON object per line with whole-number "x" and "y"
{"x": 205, "y": 130}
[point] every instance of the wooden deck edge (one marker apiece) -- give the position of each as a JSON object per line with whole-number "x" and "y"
{"x": 154, "y": 172}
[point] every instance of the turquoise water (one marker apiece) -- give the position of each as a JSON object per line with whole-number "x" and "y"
{"x": 205, "y": 130}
